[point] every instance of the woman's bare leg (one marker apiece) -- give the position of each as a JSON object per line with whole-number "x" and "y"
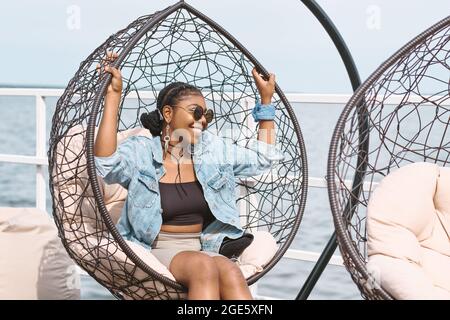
{"x": 232, "y": 284}
{"x": 198, "y": 272}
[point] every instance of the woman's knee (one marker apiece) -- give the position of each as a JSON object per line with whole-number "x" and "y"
{"x": 228, "y": 270}
{"x": 205, "y": 267}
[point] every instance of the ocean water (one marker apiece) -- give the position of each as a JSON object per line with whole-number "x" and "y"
{"x": 17, "y": 189}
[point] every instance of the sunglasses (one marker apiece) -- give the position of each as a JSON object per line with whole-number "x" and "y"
{"x": 198, "y": 113}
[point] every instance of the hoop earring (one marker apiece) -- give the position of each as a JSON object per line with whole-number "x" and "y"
{"x": 166, "y": 140}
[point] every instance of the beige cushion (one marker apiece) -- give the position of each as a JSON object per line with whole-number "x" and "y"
{"x": 408, "y": 223}
{"x": 258, "y": 253}
{"x": 33, "y": 262}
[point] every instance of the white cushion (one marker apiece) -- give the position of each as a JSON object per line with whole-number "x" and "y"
{"x": 408, "y": 224}
{"x": 33, "y": 262}
{"x": 258, "y": 253}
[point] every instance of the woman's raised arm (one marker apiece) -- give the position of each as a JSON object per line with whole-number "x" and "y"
{"x": 106, "y": 141}
{"x": 266, "y": 88}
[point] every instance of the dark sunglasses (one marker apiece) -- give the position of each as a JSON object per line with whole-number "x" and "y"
{"x": 198, "y": 113}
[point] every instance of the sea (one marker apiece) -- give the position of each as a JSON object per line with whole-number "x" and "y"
{"x": 284, "y": 281}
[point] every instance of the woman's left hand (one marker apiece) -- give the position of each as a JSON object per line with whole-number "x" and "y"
{"x": 266, "y": 88}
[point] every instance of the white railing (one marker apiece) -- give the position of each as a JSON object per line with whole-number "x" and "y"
{"x": 39, "y": 160}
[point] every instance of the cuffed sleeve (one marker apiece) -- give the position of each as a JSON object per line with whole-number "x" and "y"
{"x": 119, "y": 167}
{"x": 263, "y": 112}
{"x": 254, "y": 159}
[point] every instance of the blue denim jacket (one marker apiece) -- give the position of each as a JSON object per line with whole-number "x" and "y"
{"x": 216, "y": 164}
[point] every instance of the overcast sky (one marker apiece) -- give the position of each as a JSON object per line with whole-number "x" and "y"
{"x": 44, "y": 41}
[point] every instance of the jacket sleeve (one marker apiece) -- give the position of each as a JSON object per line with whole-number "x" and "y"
{"x": 256, "y": 158}
{"x": 120, "y": 166}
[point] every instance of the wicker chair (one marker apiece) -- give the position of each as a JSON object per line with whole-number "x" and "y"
{"x": 374, "y": 137}
{"x": 175, "y": 44}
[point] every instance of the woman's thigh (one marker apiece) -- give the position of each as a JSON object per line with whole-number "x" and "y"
{"x": 188, "y": 265}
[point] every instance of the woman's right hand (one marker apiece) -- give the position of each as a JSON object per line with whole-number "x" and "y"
{"x": 106, "y": 140}
{"x": 115, "y": 85}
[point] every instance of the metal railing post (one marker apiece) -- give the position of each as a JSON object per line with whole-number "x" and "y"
{"x": 41, "y": 184}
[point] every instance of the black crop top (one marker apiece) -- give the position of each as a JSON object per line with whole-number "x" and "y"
{"x": 184, "y": 204}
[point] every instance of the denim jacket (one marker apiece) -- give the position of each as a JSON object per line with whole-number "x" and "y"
{"x": 137, "y": 165}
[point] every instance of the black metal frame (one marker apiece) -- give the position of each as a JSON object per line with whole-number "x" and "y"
{"x": 355, "y": 80}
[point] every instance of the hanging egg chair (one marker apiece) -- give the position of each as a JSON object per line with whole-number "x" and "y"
{"x": 176, "y": 44}
{"x": 399, "y": 116}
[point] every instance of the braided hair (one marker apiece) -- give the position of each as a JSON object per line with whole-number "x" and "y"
{"x": 170, "y": 95}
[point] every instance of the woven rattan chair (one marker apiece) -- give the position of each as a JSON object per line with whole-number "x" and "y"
{"x": 374, "y": 137}
{"x": 175, "y": 44}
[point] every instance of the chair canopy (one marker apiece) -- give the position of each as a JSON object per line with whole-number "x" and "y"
{"x": 399, "y": 115}
{"x": 175, "y": 44}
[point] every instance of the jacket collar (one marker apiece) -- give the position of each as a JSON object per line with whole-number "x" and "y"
{"x": 156, "y": 149}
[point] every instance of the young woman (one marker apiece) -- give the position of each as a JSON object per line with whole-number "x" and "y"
{"x": 181, "y": 193}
